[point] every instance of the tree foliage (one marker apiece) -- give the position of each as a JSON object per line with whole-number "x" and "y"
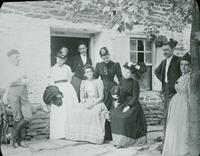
{"x": 123, "y": 15}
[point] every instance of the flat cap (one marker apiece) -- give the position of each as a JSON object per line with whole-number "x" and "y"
{"x": 12, "y": 51}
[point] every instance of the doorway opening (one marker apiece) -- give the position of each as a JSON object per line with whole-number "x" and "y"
{"x": 71, "y": 43}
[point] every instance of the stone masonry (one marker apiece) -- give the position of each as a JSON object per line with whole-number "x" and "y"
{"x": 151, "y": 102}
{"x": 26, "y": 26}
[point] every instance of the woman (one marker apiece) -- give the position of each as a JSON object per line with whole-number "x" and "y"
{"x": 61, "y": 76}
{"x": 107, "y": 70}
{"x": 176, "y": 143}
{"x": 128, "y": 124}
{"x": 88, "y": 119}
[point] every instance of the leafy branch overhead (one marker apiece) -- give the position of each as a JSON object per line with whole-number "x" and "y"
{"x": 123, "y": 15}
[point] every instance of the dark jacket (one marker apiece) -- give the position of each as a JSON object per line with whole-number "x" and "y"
{"x": 130, "y": 90}
{"x": 173, "y": 73}
{"x": 77, "y": 65}
{"x": 108, "y": 71}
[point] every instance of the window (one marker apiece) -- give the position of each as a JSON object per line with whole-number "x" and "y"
{"x": 141, "y": 51}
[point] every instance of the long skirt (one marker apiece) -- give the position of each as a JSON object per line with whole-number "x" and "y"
{"x": 87, "y": 124}
{"x": 176, "y": 136}
{"x": 59, "y": 115}
{"x": 127, "y": 128}
{"x": 108, "y": 102}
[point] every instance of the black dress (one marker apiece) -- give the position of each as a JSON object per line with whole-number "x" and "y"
{"x": 107, "y": 72}
{"x": 128, "y": 127}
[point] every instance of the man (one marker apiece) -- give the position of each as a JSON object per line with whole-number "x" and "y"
{"x": 77, "y": 64}
{"x": 17, "y": 97}
{"x": 168, "y": 72}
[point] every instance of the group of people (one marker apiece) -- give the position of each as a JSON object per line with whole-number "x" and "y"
{"x": 174, "y": 73}
{"x": 96, "y": 108}
{"x": 91, "y": 110}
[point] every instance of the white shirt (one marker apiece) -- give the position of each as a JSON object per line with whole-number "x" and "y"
{"x": 13, "y": 73}
{"x": 168, "y": 60}
{"x": 61, "y": 73}
{"x": 84, "y": 58}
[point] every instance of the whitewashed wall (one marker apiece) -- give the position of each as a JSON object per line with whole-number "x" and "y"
{"x": 31, "y": 36}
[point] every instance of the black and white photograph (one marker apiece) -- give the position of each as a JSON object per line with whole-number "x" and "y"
{"x": 100, "y": 78}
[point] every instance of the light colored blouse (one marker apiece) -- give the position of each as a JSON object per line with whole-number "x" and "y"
{"x": 91, "y": 90}
{"x": 61, "y": 73}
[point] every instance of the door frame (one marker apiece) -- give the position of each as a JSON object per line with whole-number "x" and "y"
{"x": 79, "y": 33}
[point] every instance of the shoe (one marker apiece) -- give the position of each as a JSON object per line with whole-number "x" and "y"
{"x": 14, "y": 145}
{"x": 13, "y": 142}
{"x": 23, "y": 144}
{"x": 159, "y": 148}
{"x": 119, "y": 146}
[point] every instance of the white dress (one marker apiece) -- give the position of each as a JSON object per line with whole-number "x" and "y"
{"x": 176, "y": 137}
{"x": 88, "y": 124}
{"x": 59, "y": 114}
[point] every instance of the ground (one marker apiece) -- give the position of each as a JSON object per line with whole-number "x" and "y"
{"x": 71, "y": 148}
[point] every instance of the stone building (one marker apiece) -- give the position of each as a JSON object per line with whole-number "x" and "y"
{"x": 39, "y": 29}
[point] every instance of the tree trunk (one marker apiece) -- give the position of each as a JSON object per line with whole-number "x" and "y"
{"x": 194, "y": 111}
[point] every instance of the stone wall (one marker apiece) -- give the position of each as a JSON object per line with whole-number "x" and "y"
{"x": 26, "y": 26}
{"x": 151, "y": 102}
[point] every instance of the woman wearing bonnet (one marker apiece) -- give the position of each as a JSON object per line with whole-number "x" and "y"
{"x": 128, "y": 123}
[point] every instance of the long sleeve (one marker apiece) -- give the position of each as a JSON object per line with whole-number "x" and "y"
{"x": 82, "y": 90}
{"x": 69, "y": 74}
{"x": 100, "y": 92}
{"x": 118, "y": 72}
{"x": 96, "y": 72}
{"x": 158, "y": 72}
{"x": 135, "y": 94}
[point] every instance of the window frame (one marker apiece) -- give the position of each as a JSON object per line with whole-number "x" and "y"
{"x": 136, "y": 51}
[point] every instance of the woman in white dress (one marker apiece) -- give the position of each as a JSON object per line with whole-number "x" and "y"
{"x": 88, "y": 120}
{"x": 61, "y": 76}
{"x": 176, "y": 137}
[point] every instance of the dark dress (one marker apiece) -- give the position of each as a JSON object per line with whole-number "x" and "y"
{"x": 107, "y": 72}
{"x": 128, "y": 127}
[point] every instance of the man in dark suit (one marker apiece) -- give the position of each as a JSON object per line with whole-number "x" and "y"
{"x": 77, "y": 64}
{"x": 168, "y": 72}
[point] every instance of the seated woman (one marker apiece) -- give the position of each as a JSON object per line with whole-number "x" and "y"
{"x": 128, "y": 124}
{"x": 88, "y": 119}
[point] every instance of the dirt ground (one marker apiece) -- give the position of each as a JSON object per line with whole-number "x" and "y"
{"x": 71, "y": 148}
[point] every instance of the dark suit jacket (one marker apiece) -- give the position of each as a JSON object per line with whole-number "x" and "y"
{"x": 173, "y": 72}
{"x": 77, "y": 65}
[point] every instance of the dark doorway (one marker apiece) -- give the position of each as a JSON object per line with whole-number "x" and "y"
{"x": 71, "y": 43}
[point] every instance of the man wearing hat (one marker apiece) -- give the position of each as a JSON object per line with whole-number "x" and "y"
{"x": 168, "y": 72}
{"x": 17, "y": 97}
{"x": 77, "y": 63}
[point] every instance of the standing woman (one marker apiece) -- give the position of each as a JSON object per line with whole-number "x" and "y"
{"x": 176, "y": 137}
{"x": 107, "y": 70}
{"x": 61, "y": 76}
{"x": 128, "y": 123}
